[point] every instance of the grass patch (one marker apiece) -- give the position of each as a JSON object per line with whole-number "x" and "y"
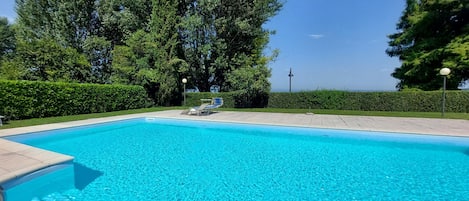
{"x": 359, "y": 113}
{"x": 49, "y": 120}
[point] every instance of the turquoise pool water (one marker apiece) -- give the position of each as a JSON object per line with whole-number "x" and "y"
{"x": 162, "y": 159}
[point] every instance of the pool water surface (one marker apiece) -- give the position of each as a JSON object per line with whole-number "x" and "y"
{"x": 164, "y": 159}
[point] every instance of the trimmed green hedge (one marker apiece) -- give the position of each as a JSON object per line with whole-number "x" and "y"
{"x": 422, "y": 101}
{"x": 28, "y": 99}
{"x": 418, "y": 101}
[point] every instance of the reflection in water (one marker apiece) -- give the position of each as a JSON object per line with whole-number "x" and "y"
{"x": 84, "y": 175}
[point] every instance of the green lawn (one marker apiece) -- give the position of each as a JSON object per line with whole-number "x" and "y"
{"x": 360, "y": 113}
{"x": 39, "y": 121}
{"x": 49, "y": 120}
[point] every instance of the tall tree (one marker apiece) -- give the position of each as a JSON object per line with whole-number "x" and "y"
{"x": 46, "y": 60}
{"x": 120, "y": 18}
{"x": 7, "y": 50}
{"x": 154, "y": 43}
{"x": 164, "y": 25}
{"x": 432, "y": 34}
{"x": 98, "y": 52}
{"x": 35, "y": 18}
{"x": 198, "y": 36}
{"x": 49, "y": 31}
{"x": 69, "y": 22}
{"x": 91, "y": 27}
{"x": 7, "y": 38}
{"x": 221, "y": 37}
{"x": 149, "y": 58}
{"x": 242, "y": 40}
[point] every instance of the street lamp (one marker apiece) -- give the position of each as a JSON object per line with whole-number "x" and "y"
{"x": 184, "y": 81}
{"x": 444, "y": 72}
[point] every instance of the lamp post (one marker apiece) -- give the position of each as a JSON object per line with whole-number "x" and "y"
{"x": 290, "y": 75}
{"x": 184, "y": 81}
{"x": 444, "y": 72}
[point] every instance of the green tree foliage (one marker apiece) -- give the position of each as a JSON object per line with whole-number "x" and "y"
{"x": 121, "y": 18}
{"x": 35, "y": 18}
{"x": 220, "y": 43}
{"x": 88, "y": 26}
{"x": 69, "y": 22}
{"x": 163, "y": 28}
{"x": 98, "y": 51}
{"x": 243, "y": 38}
{"x": 7, "y": 48}
{"x": 198, "y": 35}
{"x": 149, "y": 57}
{"x": 46, "y": 60}
{"x": 432, "y": 34}
{"x": 7, "y": 38}
{"x": 222, "y": 38}
{"x": 152, "y": 43}
{"x": 50, "y": 37}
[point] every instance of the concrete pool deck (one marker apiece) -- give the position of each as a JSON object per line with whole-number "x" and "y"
{"x": 17, "y": 160}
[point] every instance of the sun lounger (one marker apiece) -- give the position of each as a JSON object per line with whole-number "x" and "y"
{"x": 199, "y": 110}
{"x": 216, "y": 103}
{"x": 205, "y": 108}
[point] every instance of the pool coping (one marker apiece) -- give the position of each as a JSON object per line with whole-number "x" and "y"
{"x": 18, "y": 159}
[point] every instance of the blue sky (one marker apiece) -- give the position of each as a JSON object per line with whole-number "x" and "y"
{"x": 335, "y": 44}
{"x": 7, "y": 9}
{"x": 329, "y": 44}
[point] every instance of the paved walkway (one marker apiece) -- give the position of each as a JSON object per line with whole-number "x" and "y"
{"x": 451, "y": 127}
{"x": 17, "y": 159}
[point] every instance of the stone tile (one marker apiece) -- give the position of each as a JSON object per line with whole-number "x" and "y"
{"x": 3, "y": 171}
{"x": 14, "y": 161}
{"x": 44, "y": 156}
{"x": 4, "y": 151}
{"x": 15, "y": 147}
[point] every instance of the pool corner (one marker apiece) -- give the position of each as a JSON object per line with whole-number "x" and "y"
{"x": 19, "y": 160}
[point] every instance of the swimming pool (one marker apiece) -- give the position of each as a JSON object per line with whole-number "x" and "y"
{"x": 166, "y": 159}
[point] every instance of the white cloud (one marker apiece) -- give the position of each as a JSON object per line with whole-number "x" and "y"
{"x": 316, "y": 36}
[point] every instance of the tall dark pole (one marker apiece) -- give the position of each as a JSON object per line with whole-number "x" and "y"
{"x": 184, "y": 81}
{"x": 444, "y": 97}
{"x": 290, "y": 75}
{"x": 444, "y": 72}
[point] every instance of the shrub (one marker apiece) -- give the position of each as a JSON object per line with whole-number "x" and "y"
{"x": 29, "y": 99}
{"x": 415, "y": 101}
